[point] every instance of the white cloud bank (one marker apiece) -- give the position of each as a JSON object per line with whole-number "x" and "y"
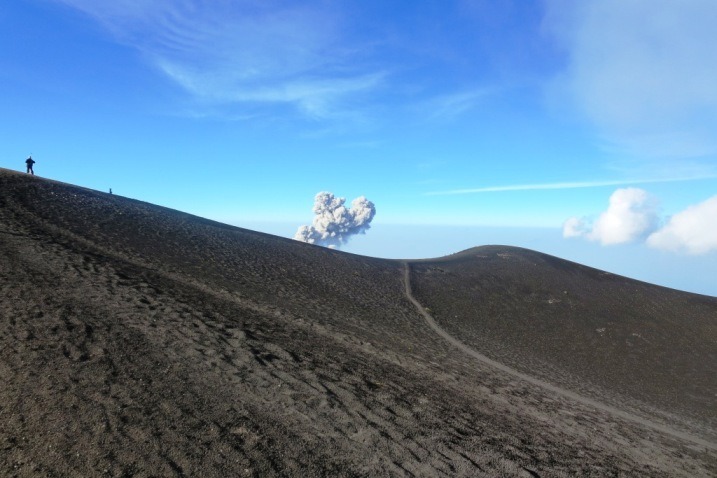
{"x": 642, "y": 71}
{"x": 693, "y": 230}
{"x": 632, "y": 215}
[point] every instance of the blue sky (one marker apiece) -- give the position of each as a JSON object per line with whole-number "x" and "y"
{"x": 590, "y": 125}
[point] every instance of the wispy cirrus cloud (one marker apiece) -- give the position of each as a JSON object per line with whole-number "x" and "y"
{"x": 243, "y": 51}
{"x": 450, "y": 106}
{"x": 566, "y": 185}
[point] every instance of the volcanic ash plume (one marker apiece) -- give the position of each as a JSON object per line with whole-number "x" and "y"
{"x": 333, "y": 223}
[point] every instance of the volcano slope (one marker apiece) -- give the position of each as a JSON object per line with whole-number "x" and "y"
{"x": 140, "y": 341}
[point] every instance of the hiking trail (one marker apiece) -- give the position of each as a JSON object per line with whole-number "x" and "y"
{"x": 430, "y": 321}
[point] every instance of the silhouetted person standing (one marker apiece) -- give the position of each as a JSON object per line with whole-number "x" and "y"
{"x": 29, "y": 161}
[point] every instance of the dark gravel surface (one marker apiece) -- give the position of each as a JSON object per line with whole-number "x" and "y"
{"x": 596, "y": 331}
{"x": 140, "y": 341}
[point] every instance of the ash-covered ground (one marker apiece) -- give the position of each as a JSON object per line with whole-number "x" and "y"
{"x": 140, "y": 341}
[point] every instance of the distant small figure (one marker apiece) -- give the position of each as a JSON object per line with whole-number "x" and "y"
{"x": 110, "y": 190}
{"x": 29, "y": 161}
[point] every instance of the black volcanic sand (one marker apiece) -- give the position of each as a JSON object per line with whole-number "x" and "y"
{"x": 606, "y": 335}
{"x": 140, "y": 341}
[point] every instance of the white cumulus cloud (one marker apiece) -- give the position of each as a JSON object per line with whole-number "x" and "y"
{"x": 574, "y": 227}
{"x": 693, "y": 230}
{"x": 632, "y": 214}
